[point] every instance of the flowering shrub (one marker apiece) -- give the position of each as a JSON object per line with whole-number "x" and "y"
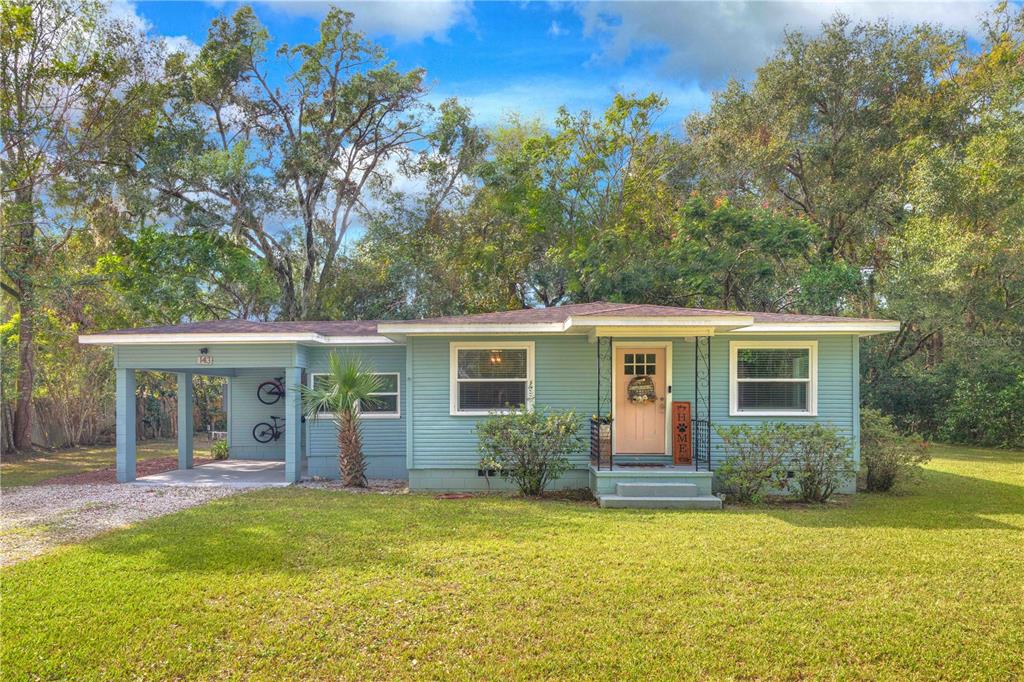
{"x": 531, "y": 447}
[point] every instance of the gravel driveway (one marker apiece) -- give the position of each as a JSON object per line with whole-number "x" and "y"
{"x": 35, "y": 518}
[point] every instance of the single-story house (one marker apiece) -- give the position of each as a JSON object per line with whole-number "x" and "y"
{"x": 650, "y": 384}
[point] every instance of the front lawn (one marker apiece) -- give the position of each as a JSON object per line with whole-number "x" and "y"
{"x": 311, "y": 583}
{"x": 41, "y": 466}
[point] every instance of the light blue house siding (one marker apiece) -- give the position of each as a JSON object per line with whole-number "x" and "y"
{"x": 246, "y": 411}
{"x": 435, "y": 449}
{"x": 443, "y": 453}
{"x": 226, "y": 357}
{"x": 384, "y": 442}
{"x": 838, "y": 387}
{"x": 442, "y": 449}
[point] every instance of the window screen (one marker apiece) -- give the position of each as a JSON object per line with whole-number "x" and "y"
{"x": 773, "y": 379}
{"x": 385, "y": 400}
{"x": 491, "y": 378}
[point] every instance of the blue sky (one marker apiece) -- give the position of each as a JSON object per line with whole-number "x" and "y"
{"x": 531, "y": 57}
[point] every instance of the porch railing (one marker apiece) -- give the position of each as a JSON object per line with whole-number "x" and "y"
{"x": 601, "y": 442}
{"x": 701, "y": 435}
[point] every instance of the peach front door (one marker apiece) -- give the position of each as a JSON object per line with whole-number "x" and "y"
{"x": 639, "y": 424}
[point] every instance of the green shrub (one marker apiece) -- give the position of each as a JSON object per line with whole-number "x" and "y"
{"x": 886, "y": 457}
{"x": 219, "y": 449}
{"x": 821, "y": 460}
{"x": 530, "y": 446}
{"x": 754, "y": 457}
{"x": 942, "y": 402}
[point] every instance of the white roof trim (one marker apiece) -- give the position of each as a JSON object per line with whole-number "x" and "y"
{"x": 580, "y": 323}
{"x": 234, "y": 337}
{"x": 470, "y": 328}
{"x": 873, "y": 327}
{"x": 726, "y": 321}
{"x": 393, "y": 333}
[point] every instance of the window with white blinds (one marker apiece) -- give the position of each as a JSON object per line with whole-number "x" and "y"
{"x": 773, "y": 378}
{"x": 487, "y": 378}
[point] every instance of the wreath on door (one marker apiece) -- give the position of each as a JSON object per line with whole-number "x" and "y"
{"x": 641, "y": 390}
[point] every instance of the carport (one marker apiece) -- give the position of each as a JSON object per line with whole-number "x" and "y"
{"x": 240, "y": 350}
{"x": 227, "y": 473}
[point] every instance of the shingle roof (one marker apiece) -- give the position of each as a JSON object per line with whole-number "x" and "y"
{"x": 325, "y": 328}
{"x": 606, "y": 309}
{"x": 523, "y": 316}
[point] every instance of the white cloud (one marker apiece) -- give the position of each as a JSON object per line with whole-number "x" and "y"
{"x": 712, "y": 41}
{"x": 128, "y": 12}
{"x": 556, "y": 30}
{"x": 409, "y": 21}
{"x": 540, "y": 98}
{"x": 181, "y": 44}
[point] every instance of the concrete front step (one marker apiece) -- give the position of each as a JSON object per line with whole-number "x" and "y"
{"x": 696, "y": 502}
{"x": 656, "y": 490}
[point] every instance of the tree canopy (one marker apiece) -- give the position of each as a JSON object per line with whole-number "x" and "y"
{"x": 870, "y": 169}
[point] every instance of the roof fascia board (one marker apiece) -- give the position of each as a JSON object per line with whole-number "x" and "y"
{"x": 358, "y": 340}
{"x": 408, "y": 328}
{"x": 717, "y": 321}
{"x": 214, "y": 338}
{"x": 652, "y": 332}
{"x": 863, "y": 328}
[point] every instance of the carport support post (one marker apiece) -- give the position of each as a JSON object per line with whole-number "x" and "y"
{"x": 293, "y": 425}
{"x": 125, "y": 425}
{"x": 185, "y": 424}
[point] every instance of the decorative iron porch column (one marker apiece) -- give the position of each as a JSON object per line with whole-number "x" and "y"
{"x": 601, "y": 426}
{"x": 702, "y": 402}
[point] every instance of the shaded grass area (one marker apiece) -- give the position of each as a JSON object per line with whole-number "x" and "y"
{"x": 320, "y": 584}
{"x": 37, "y": 467}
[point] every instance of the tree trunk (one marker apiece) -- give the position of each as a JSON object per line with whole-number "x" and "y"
{"x": 350, "y": 451}
{"x": 22, "y": 432}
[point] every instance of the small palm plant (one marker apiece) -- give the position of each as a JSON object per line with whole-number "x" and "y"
{"x": 339, "y": 393}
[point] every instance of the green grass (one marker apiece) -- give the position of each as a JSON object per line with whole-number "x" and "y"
{"x": 41, "y": 466}
{"x": 304, "y": 583}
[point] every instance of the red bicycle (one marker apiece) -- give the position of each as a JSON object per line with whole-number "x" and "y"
{"x": 269, "y": 392}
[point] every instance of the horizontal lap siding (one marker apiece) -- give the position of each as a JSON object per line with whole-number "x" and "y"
{"x": 565, "y": 378}
{"x": 837, "y": 382}
{"x": 383, "y": 439}
{"x": 246, "y": 411}
{"x": 225, "y": 357}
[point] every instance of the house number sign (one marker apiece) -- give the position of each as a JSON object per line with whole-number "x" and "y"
{"x": 204, "y": 360}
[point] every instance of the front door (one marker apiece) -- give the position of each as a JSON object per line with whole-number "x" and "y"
{"x": 640, "y": 401}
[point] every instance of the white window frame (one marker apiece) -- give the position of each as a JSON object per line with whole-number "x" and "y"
{"x": 454, "y": 380}
{"x": 373, "y": 415}
{"x": 812, "y": 381}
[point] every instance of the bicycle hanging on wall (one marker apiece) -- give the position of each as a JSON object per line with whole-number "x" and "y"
{"x": 269, "y": 392}
{"x": 266, "y": 432}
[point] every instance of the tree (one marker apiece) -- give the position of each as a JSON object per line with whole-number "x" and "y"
{"x": 68, "y": 79}
{"x": 340, "y": 392}
{"x": 955, "y": 266}
{"x": 420, "y": 254}
{"x": 283, "y": 164}
{"x": 163, "y": 277}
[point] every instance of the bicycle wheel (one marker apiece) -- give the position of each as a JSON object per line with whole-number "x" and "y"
{"x": 269, "y": 392}
{"x": 263, "y": 432}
